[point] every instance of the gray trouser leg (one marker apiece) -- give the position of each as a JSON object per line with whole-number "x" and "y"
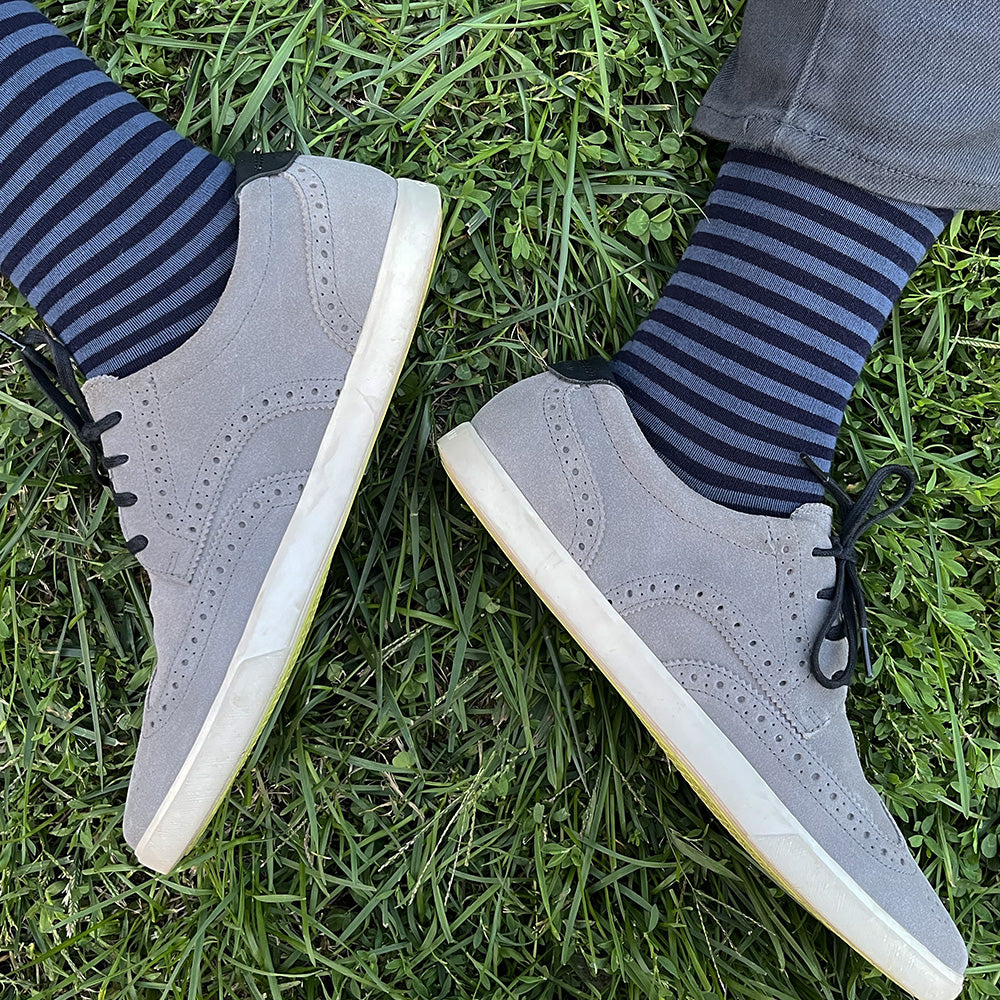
{"x": 901, "y": 97}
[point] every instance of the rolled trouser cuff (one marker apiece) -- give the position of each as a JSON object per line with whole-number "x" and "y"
{"x": 900, "y": 98}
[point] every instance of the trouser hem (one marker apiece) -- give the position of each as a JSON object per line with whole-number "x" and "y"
{"x": 760, "y": 129}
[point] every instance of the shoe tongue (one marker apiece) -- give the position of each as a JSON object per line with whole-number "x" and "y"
{"x": 102, "y": 394}
{"x": 818, "y": 514}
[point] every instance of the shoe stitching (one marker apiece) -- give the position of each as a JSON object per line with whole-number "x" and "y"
{"x": 194, "y": 522}
{"x": 300, "y": 396}
{"x": 776, "y": 708}
{"x": 598, "y": 406}
{"x": 873, "y": 846}
{"x": 248, "y": 511}
{"x": 583, "y": 490}
{"x": 318, "y": 237}
{"x": 147, "y": 423}
{"x": 787, "y": 551}
{"x": 236, "y": 324}
{"x": 791, "y": 602}
{"x": 674, "y": 593}
{"x": 659, "y": 501}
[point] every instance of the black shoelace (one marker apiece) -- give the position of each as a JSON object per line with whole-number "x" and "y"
{"x": 58, "y": 383}
{"x": 848, "y": 617}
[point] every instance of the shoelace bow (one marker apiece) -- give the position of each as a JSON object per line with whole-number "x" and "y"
{"x": 57, "y": 380}
{"x": 848, "y": 617}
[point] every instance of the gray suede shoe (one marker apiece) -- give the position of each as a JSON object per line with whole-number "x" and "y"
{"x": 236, "y": 459}
{"x": 705, "y": 620}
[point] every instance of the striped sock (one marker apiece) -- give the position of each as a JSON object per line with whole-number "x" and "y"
{"x": 116, "y": 229}
{"x": 749, "y": 358}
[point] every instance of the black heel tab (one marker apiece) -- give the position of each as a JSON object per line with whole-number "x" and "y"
{"x": 585, "y": 372}
{"x": 250, "y": 166}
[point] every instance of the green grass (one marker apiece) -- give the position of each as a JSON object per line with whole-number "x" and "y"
{"x": 452, "y": 803}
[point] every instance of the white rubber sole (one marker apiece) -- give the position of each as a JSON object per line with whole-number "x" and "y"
{"x": 716, "y": 769}
{"x": 287, "y": 600}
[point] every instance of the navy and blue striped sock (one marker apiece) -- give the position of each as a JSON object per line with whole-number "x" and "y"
{"x": 750, "y": 356}
{"x": 120, "y": 232}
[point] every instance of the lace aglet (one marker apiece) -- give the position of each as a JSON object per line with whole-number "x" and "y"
{"x": 13, "y": 341}
{"x": 867, "y": 652}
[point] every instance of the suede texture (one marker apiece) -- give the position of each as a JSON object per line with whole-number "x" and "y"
{"x": 221, "y": 435}
{"x": 728, "y": 602}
